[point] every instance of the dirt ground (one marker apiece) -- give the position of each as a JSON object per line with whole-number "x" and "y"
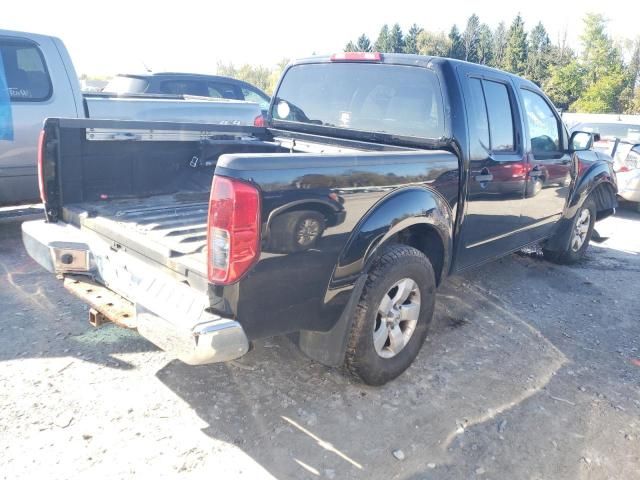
{"x": 531, "y": 370}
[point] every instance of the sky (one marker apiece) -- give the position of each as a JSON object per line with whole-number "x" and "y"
{"x": 115, "y": 36}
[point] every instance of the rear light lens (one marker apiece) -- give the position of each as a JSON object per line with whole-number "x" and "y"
{"x": 233, "y": 233}
{"x": 259, "y": 121}
{"x": 41, "y": 154}
{"x": 356, "y": 57}
{"x": 518, "y": 170}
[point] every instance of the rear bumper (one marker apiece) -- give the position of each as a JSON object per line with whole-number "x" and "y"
{"x": 166, "y": 311}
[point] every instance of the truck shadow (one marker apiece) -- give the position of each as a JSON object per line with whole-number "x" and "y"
{"x": 44, "y": 320}
{"x": 486, "y": 357}
{"x": 483, "y": 360}
{"x": 295, "y": 417}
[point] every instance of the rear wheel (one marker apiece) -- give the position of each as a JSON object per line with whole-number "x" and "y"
{"x": 579, "y": 236}
{"x": 534, "y": 185}
{"x": 392, "y": 316}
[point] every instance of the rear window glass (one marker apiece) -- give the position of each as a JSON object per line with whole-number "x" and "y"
{"x": 184, "y": 87}
{"x": 221, "y": 90}
{"x": 122, "y": 84}
{"x": 392, "y": 99}
{"x": 25, "y": 72}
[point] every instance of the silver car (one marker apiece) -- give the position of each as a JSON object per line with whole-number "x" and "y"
{"x": 622, "y": 142}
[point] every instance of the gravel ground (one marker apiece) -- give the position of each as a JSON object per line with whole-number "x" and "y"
{"x": 531, "y": 370}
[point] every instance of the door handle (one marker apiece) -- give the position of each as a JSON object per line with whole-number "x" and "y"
{"x": 483, "y": 178}
{"x": 535, "y": 172}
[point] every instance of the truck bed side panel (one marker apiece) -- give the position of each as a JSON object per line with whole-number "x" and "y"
{"x": 307, "y": 293}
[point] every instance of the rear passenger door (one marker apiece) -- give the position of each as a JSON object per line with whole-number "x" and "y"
{"x": 496, "y": 183}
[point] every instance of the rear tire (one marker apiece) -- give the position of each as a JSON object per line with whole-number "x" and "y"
{"x": 393, "y": 315}
{"x": 580, "y": 235}
{"x": 534, "y": 185}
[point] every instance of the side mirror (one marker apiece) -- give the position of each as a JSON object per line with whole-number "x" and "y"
{"x": 580, "y": 141}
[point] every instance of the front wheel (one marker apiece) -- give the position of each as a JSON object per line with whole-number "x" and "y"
{"x": 579, "y": 237}
{"x": 392, "y": 316}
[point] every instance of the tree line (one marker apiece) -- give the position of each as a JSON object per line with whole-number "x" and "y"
{"x": 598, "y": 79}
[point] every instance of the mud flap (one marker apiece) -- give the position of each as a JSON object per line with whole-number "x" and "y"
{"x": 329, "y": 347}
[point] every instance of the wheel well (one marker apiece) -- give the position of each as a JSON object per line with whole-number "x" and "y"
{"x": 313, "y": 207}
{"x": 605, "y": 198}
{"x": 426, "y": 239}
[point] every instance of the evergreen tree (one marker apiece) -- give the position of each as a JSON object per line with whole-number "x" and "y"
{"x": 564, "y": 84}
{"x": 470, "y": 39}
{"x": 515, "y": 55}
{"x": 599, "y": 55}
{"x": 396, "y": 39}
{"x": 602, "y": 63}
{"x": 456, "y": 49}
{"x": 363, "y": 44}
{"x": 382, "y": 43}
{"x": 538, "y": 54}
{"x": 350, "y": 47}
{"x": 499, "y": 45}
{"x": 485, "y": 45}
{"x": 632, "y": 88}
{"x": 436, "y": 44}
{"x": 411, "y": 39}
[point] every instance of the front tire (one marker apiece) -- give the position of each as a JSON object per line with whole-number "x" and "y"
{"x": 392, "y": 317}
{"x": 579, "y": 237}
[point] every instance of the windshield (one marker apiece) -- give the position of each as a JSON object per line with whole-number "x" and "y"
{"x": 391, "y": 99}
{"x": 124, "y": 84}
{"x": 625, "y": 131}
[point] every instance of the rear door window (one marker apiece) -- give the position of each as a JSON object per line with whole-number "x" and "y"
{"x": 500, "y": 116}
{"x": 370, "y": 97}
{"x": 24, "y": 72}
{"x": 478, "y": 121}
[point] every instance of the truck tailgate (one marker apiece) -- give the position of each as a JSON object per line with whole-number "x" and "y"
{"x": 168, "y": 229}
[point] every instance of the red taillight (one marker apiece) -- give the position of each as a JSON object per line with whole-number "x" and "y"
{"x": 623, "y": 168}
{"x": 259, "y": 121}
{"x": 233, "y": 233}
{"x": 518, "y": 170}
{"x": 41, "y": 146}
{"x": 356, "y": 56}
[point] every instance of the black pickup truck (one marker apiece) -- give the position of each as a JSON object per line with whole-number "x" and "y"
{"x": 376, "y": 177}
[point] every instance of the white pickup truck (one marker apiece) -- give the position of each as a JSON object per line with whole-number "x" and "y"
{"x": 38, "y": 80}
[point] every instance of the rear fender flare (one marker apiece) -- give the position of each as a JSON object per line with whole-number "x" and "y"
{"x": 397, "y": 211}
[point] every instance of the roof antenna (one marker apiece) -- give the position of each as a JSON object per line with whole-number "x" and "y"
{"x": 147, "y": 68}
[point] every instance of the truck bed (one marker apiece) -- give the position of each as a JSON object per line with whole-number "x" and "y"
{"x": 170, "y": 229}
